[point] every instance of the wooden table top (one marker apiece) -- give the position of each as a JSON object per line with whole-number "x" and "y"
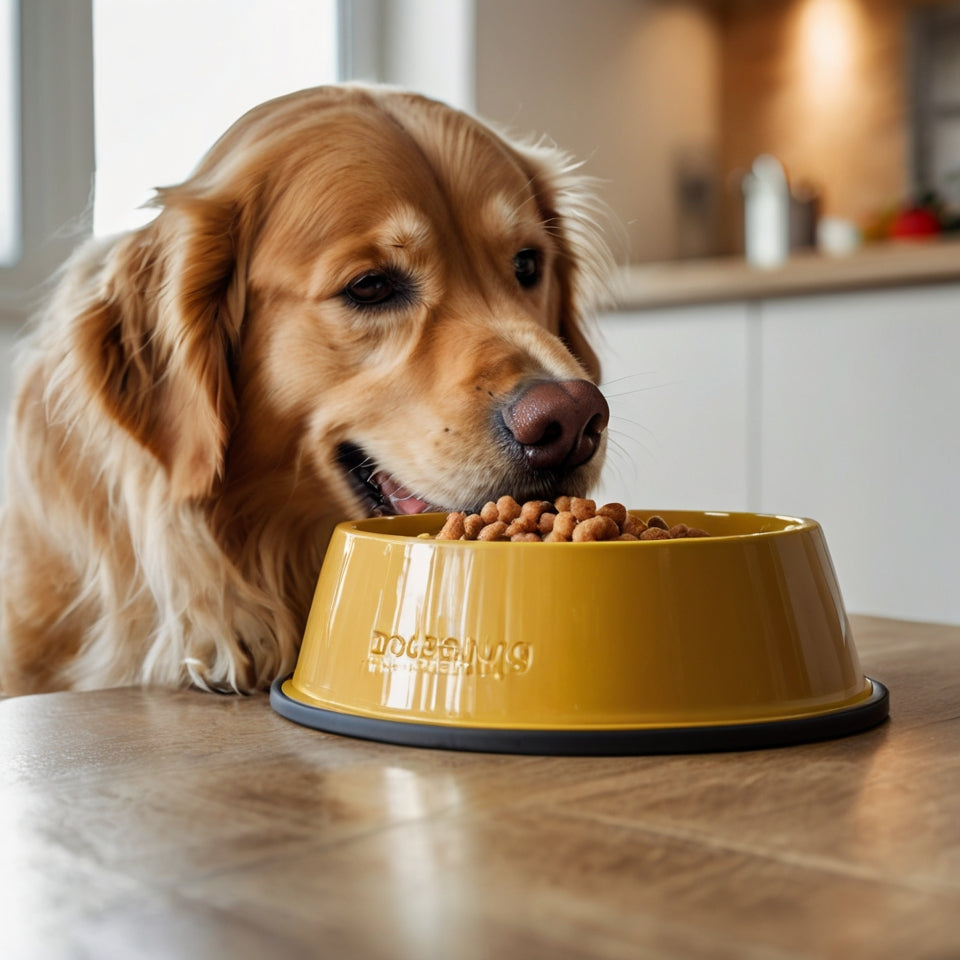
{"x": 144, "y": 823}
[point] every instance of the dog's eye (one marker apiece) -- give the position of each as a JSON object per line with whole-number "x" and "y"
{"x": 371, "y": 288}
{"x": 526, "y": 265}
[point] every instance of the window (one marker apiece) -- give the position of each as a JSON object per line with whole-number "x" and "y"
{"x": 105, "y": 100}
{"x": 171, "y": 75}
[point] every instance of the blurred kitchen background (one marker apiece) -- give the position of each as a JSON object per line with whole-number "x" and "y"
{"x": 783, "y": 181}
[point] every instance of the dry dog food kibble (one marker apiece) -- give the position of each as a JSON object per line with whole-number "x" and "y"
{"x": 566, "y": 520}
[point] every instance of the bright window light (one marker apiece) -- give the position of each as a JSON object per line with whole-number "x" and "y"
{"x": 171, "y": 75}
{"x": 9, "y": 133}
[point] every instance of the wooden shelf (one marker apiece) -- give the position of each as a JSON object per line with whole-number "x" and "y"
{"x": 732, "y": 278}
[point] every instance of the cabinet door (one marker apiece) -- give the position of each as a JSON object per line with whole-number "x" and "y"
{"x": 676, "y": 382}
{"x": 860, "y": 429}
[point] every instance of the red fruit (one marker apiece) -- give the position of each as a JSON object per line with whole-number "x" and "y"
{"x": 915, "y": 222}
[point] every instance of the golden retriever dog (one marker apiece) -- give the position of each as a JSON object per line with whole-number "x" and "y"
{"x": 362, "y": 301}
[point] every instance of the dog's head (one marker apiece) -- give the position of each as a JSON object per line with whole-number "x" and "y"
{"x": 361, "y": 301}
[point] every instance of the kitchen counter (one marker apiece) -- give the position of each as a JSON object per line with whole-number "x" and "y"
{"x": 732, "y": 278}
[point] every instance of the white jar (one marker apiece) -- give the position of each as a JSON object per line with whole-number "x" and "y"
{"x": 766, "y": 213}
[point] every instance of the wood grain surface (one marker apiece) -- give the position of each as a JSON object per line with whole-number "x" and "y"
{"x": 146, "y": 823}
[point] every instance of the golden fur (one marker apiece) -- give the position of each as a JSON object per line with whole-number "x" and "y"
{"x": 172, "y": 471}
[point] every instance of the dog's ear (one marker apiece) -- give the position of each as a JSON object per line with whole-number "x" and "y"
{"x": 159, "y": 341}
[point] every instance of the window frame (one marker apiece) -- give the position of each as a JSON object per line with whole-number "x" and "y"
{"x": 56, "y": 145}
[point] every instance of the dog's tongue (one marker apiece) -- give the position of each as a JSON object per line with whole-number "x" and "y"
{"x": 402, "y": 500}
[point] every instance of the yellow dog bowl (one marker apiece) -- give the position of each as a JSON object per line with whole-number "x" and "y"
{"x": 735, "y": 641}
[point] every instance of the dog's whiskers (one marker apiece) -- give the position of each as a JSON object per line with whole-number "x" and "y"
{"x": 366, "y": 462}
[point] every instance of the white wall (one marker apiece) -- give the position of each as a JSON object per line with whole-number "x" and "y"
{"x": 421, "y": 45}
{"x": 627, "y": 85}
{"x": 430, "y": 48}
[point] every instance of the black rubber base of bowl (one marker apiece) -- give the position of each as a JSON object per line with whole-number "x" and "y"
{"x": 737, "y": 736}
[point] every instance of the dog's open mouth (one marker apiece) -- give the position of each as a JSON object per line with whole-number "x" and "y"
{"x": 380, "y": 493}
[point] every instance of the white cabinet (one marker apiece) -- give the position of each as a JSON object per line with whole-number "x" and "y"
{"x": 860, "y": 429}
{"x": 677, "y": 384}
{"x": 841, "y": 407}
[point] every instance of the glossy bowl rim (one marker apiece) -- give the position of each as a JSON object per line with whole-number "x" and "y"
{"x": 794, "y": 524}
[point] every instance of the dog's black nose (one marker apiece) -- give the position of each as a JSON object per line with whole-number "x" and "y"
{"x": 558, "y": 423}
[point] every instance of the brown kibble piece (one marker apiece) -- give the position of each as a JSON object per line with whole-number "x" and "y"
{"x": 452, "y": 528}
{"x": 490, "y": 513}
{"x": 633, "y": 525}
{"x": 472, "y": 525}
{"x": 582, "y": 509}
{"x": 627, "y": 536}
{"x": 595, "y": 528}
{"x": 545, "y": 523}
{"x": 564, "y": 523}
{"x": 562, "y": 504}
{"x": 696, "y": 532}
{"x": 531, "y": 510}
{"x": 617, "y": 512}
{"x": 508, "y": 508}
{"x": 656, "y": 521}
{"x": 521, "y": 526}
{"x": 655, "y": 533}
{"x": 526, "y": 538}
{"x": 679, "y": 530}
{"x": 493, "y": 531}
{"x": 554, "y": 537}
